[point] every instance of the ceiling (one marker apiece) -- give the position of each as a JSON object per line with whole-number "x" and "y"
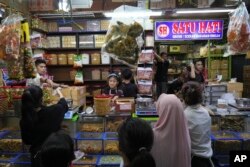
{"x": 100, "y": 6}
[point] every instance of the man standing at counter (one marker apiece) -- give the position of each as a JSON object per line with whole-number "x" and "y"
{"x": 197, "y": 71}
{"x": 161, "y": 77}
{"x": 39, "y": 80}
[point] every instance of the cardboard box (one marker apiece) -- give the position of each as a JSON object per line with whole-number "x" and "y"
{"x": 215, "y": 64}
{"x": 76, "y": 102}
{"x": 42, "y": 5}
{"x": 235, "y": 87}
{"x": 163, "y": 4}
{"x": 74, "y": 92}
{"x": 224, "y": 74}
{"x": 125, "y": 105}
{"x": 224, "y": 64}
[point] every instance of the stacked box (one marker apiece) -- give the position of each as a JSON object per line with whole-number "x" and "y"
{"x": 236, "y": 88}
{"x": 99, "y": 40}
{"x": 69, "y": 41}
{"x": 86, "y": 41}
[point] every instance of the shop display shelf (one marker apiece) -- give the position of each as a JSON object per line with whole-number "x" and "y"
{"x": 39, "y": 30}
{"x": 214, "y": 88}
{"x": 109, "y": 160}
{"x": 87, "y": 160}
{"x": 59, "y": 49}
{"x": 23, "y": 160}
{"x": 224, "y": 142}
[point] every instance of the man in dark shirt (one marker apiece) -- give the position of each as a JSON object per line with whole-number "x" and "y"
{"x": 196, "y": 71}
{"x": 161, "y": 77}
{"x": 129, "y": 89}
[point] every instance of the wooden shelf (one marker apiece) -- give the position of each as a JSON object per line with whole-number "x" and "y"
{"x": 60, "y": 49}
{"x": 60, "y": 65}
{"x": 39, "y": 30}
{"x": 76, "y": 32}
{"x": 95, "y": 80}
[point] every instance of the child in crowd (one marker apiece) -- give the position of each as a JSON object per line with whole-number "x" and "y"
{"x": 129, "y": 89}
{"x": 199, "y": 125}
{"x": 135, "y": 142}
{"x": 113, "y": 88}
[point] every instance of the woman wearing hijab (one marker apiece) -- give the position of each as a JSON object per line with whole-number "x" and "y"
{"x": 171, "y": 146}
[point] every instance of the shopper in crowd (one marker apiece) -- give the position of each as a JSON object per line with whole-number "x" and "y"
{"x": 135, "y": 142}
{"x": 176, "y": 85}
{"x": 129, "y": 89}
{"x": 57, "y": 150}
{"x": 113, "y": 88}
{"x": 171, "y": 146}
{"x": 37, "y": 121}
{"x": 40, "y": 80}
{"x": 197, "y": 71}
{"x": 199, "y": 125}
{"x": 161, "y": 77}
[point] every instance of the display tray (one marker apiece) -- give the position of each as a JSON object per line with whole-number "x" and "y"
{"x": 86, "y": 160}
{"x": 7, "y": 157}
{"x": 240, "y": 108}
{"x": 110, "y": 160}
{"x": 89, "y": 136}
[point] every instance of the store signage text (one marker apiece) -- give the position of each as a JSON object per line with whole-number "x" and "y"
{"x": 189, "y": 30}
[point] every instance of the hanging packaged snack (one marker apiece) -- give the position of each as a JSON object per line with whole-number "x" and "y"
{"x": 144, "y": 73}
{"x": 238, "y": 34}
{"x": 26, "y": 52}
{"x": 145, "y": 87}
{"x": 77, "y": 61}
{"x": 10, "y": 32}
{"x": 146, "y": 56}
{"x": 124, "y": 38}
{"x": 79, "y": 77}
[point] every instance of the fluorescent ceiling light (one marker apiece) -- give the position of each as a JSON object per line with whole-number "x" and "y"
{"x": 205, "y": 11}
{"x": 133, "y": 14}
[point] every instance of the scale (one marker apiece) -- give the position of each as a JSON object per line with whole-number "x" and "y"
{"x": 146, "y": 112}
{"x": 69, "y": 114}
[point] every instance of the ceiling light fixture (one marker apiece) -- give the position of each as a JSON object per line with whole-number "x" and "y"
{"x": 132, "y": 14}
{"x": 192, "y": 11}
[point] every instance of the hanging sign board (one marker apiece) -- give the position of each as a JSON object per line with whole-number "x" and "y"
{"x": 188, "y": 30}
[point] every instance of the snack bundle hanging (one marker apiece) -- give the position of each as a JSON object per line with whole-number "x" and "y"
{"x": 20, "y": 65}
{"x": 123, "y": 39}
{"x": 10, "y": 33}
{"x": 238, "y": 34}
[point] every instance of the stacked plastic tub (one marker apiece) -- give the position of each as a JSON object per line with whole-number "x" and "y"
{"x": 12, "y": 151}
{"x": 223, "y": 143}
{"x": 212, "y": 93}
{"x": 101, "y": 149}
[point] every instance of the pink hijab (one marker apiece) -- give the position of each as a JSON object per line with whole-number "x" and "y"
{"x": 171, "y": 146}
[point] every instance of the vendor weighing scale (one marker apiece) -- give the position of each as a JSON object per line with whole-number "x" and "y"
{"x": 69, "y": 114}
{"x": 146, "y": 111}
